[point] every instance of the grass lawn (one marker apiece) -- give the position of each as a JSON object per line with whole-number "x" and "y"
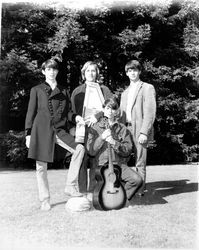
{"x": 166, "y": 217}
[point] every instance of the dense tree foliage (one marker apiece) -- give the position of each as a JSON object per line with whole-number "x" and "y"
{"x": 164, "y": 37}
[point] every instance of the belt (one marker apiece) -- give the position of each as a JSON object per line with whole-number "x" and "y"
{"x": 128, "y": 124}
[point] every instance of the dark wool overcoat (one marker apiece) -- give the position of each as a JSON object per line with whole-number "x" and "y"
{"x": 47, "y": 116}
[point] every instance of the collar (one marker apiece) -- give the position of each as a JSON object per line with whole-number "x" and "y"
{"x": 91, "y": 83}
{"x": 51, "y": 92}
{"x": 103, "y": 123}
{"x": 47, "y": 84}
{"x": 134, "y": 84}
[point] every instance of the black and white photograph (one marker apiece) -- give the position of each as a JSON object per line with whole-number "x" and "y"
{"x": 99, "y": 124}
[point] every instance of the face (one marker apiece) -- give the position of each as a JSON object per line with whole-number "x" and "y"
{"x": 133, "y": 74}
{"x": 91, "y": 73}
{"x": 50, "y": 73}
{"x": 109, "y": 112}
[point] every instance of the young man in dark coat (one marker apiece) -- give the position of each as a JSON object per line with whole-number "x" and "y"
{"x": 46, "y": 124}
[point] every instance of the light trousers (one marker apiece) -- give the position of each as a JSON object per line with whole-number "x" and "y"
{"x": 73, "y": 171}
{"x": 140, "y": 162}
{"x": 140, "y": 157}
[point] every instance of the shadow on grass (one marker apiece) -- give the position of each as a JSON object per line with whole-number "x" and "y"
{"x": 157, "y": 191}
{"x": 67, "y": 197}
{"x": 59, "y": 203}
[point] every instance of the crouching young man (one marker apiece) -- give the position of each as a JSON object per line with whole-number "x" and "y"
{"x": 109, "y": 131}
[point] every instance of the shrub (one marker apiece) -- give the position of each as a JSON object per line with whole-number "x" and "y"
{"x": 191, "y": 124}
{"x": 191, "y": 153}
{"x": 16, "y": 150}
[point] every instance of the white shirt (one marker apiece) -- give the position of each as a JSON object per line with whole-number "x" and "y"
{"x": 94, "y": 99}
{"x": 130, "y": 99}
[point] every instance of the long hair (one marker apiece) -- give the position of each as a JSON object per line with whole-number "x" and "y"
{"x": 86, "y": 65}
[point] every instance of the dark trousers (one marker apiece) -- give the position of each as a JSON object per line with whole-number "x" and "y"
{"x": 84, "y": 185}
{"x": 132, "y": 180}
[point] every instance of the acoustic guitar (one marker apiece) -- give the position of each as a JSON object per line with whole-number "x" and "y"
{"x": 109, "y": 192}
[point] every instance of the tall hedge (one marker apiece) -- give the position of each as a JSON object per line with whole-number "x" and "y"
{"x": 164, "y": 37}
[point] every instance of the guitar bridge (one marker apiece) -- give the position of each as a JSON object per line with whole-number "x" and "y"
{"x": 112, "y": 192}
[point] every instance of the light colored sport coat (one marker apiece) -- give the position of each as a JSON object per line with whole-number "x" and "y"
{"x": 143, "y": 110}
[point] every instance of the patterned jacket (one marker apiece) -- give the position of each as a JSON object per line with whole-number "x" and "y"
{"x": 98, "y": 147}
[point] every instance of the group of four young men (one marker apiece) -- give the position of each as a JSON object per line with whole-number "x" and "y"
{"x": 47, "y": 124}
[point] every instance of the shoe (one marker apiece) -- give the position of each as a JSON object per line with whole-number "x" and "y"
{"x": 73, "y": 191}
{"x": 89, "y": 196}
{"x": 128, "y": 204}
{"x": 45, "y": 205}
{"x": 140, "y": 194}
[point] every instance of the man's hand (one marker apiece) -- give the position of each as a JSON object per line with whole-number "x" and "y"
{"x": 106, "y": 134}
{"x": 91, "y": 120}
{"x": 79, "y": 120}
{"x": 110, "y": 140}
{"x": 28, "y": 141}
{"x": 142, "y": 139}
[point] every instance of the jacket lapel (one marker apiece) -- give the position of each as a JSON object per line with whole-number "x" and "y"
{"x": 55, "y": 91}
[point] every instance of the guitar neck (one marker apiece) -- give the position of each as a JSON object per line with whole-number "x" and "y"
{"x": 110, "y": 162}
{"x": 83, "y": 112}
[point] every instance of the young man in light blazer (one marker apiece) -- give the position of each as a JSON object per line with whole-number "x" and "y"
{"x": 138, "y": 111}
